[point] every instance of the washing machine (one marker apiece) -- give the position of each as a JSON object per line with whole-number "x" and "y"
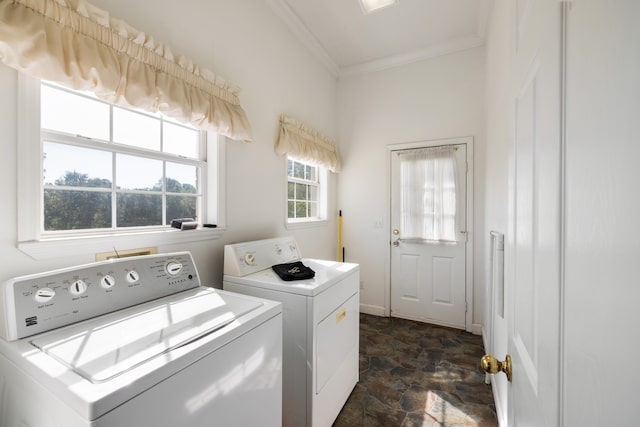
{"x": 320, "y": 321}
{"x": 137, "y": 342}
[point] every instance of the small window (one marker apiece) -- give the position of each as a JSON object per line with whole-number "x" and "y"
{"x": 305, "y": 191}
{"x": 108, "y": 167}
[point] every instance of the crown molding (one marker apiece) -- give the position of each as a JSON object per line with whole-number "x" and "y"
{"x": 411, "y": 57}
{"x": 484, "y": 16}
{"x": 302, "y": 33}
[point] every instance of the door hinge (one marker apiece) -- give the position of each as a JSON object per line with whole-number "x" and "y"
{"x": 466, "y": 307}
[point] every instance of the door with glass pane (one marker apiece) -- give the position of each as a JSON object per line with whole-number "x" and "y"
{"x": 429, "y": 233}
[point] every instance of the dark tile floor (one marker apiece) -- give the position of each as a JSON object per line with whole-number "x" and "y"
{"x": 416, "y": 374}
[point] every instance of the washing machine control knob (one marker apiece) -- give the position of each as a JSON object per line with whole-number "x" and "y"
{"x": 173, "y": 268}
{"x": 43, "y": 295}
{"x": 133, "y": 276}
{"x": 107, "y": 282}
{"x": 78, "y": 287}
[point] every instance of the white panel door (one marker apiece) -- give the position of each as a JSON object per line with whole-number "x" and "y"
{"x": 428, "y": 277}
{"x": 533, "y": 239}
{"x": 602, "y": 289}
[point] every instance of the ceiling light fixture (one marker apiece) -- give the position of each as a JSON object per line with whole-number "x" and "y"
{"x": 369, "y": 6}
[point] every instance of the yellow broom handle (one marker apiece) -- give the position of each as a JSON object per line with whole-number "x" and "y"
{"x": 340, "y": 236}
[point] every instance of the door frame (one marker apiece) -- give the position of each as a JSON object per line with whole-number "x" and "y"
{"x": 468, "y": 140}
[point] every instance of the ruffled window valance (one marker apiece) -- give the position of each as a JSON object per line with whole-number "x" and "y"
{"x": 306, "y": 144}
{"x": 76, "y": 44}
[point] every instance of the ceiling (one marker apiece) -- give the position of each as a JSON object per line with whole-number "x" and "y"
{"x": 348, "y": 41}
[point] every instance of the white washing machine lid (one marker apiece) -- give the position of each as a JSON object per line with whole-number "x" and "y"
{"x": 99, "y": 352}
{"x": 327, "y": 274}
{"x": 98, "y": 364}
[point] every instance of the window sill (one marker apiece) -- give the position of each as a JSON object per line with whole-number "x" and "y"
{"x": 296, "y": 225}
{"x": 81, "y": 245}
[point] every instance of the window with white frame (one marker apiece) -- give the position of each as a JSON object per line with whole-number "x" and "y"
{"x": 108, "y": 167}
{"x": 306, "y": 191}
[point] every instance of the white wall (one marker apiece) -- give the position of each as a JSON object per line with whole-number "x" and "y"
{"x": 497, "y": 132}
{"x": 245, "y": 42}
{"x": 436, "y": 98}
{"x": 498, "y": 107}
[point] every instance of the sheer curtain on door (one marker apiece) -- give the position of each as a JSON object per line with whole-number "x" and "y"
{"x": 428, "y": 194}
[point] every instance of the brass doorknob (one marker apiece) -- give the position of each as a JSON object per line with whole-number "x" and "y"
{"x": 491, "y": 365}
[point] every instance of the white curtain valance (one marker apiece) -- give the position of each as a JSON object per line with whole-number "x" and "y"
{"x": 306, "y": 144}
{"x": 76, "y": 44}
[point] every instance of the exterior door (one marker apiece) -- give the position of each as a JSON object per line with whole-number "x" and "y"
{"x": 429, "y": 232}
{"x": 533, "y": 240}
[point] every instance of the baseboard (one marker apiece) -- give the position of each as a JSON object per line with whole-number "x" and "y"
{"x": 476, "y": 329}
{"x": 376, "y": 310}
{"x": 372, "y": 309}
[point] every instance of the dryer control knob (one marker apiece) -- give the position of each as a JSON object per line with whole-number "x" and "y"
{"x": 43, "y": 295}
{"x": 173, "y": 268}
{"x": 249, "y": 258}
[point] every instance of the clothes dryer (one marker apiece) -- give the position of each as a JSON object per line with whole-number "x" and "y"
{"x": 320, "y": 320}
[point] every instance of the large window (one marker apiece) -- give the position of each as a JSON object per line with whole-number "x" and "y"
{"x": 95, "y": 177}
{"x": 305, "y": 191}
{"x": 107, "y": 167}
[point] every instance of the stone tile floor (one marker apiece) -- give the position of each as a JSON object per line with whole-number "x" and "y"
{"x": 415, "y": 374}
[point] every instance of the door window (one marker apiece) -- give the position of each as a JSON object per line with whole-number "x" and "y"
{"x": 428, "y": 194}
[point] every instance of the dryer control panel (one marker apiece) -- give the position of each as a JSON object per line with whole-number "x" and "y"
{"x": 241, "y": 259}
{"x": 40, "y": 302}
